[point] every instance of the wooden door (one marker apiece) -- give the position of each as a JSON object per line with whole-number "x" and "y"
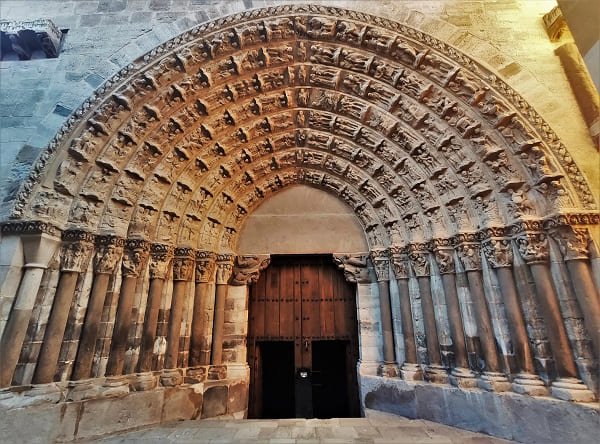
{"x": 302, "y": 299}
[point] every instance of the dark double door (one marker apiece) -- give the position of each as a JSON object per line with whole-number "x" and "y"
{"x": 302, "y": 341}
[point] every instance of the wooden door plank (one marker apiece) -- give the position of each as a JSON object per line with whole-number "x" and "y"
{"x": 297, "y": 317}
{"x": 286, "y": 303}
{"x": 339, "y": 307}
{"x": 327, "y": 308}
{"x": 310, "y": 310}
{"x": 258, "y": 309}
{"x": 272, "y": 304}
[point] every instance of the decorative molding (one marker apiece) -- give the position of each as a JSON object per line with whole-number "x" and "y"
{"x": 573, "y": 242}
{"x": 247, "y": 269}
{"x": 30, "y": 227}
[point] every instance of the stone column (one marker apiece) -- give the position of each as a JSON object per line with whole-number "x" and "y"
{"x": 183, "y": 268}
{"x": 461, "y": 375}
{"x": 109, "y": 250}
{"x": 410, "y": 370}
{"x": 158, "y": 267}
{"x": 573, "y": 243}
{"x": 492, "y": 378}
{"x": 381, "y": 263}
{"x": 419, "y": 258}
{"x": 498, "y": 252}
{"x": 134, "y": 259}
{"x": 533, "y": 248}
{"x": 200, "y": 340}
{"x": 224, "y": 263}
{"x": 77, "y": 248}
{"x": 39, "y": 246}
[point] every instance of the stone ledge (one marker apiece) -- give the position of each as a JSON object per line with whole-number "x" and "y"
{"x": 505, "y": 415}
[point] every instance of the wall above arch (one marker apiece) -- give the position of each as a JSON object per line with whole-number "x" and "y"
{"x": 302, "y": 220}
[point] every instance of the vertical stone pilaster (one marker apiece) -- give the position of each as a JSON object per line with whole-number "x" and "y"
{"x": 134, "y": 260}
{"x": 224, "y": 264}
{"x": 109, "y": 250}
{"x": 183, "y": 269}
{"x": 410, "y": 370}
{"x": 573, "y": 244}
{"x": 381, "y": 264}
{"x": 468, "y": 250}
{"x": 498, "y": 253}
{"x": 461, "y": 375}
{"x": 39, "y": 246}
{"x": 77, "y": 248}
{"x": 201, "y": 335}
{"x": 534, "y": 249}
{"x": 419, "y": 259}
{"x": 159, "y": 263}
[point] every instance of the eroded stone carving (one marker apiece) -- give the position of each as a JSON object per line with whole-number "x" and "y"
{"x": 246, "y": 269}
{"x": 354, "y": 266}
{"x": 160, "y": 260}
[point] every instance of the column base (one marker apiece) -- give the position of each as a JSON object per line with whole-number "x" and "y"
{"x": 143, "y": 381}
{"x": 369, "y": 368}
{"x": 238, "y": 371}
{"x": 84, "y": 389}
{"x": 171, "y": 377}
{"x": 529, "y": 384}
{"x": 388, "y": 370}
{"x": 463, "y": 378}
{"x": 411, "y": 372}
{"x": 436, "y": 374}
{"x": 572, "y": 389}
{"x": 115, "y": 386}
{"x": 494, "y": 382}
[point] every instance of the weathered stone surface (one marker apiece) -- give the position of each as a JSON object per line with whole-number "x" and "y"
{"x": 102, "y": 416}
{"x": 238, "y": 397}
{"x": 215, "y": 402}
{"x": 182, "y": 403}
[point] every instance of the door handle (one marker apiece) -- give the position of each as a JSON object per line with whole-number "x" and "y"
{"x": 306, "y": 344}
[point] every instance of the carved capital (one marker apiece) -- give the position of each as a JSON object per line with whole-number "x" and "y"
{"x": 381, "y": 263}
{"x": 30, "y": 227}
{"x": 160, "y": 258}
{"x": 246, "y": 269}
{"x": 470, "y": 256}
{"x": 498, "y": 252}
{"x": 419, "y": 259}
{"x": 533, "y": 247}
{"x": 354, "y": 266}
{"x": 109, "y": 250}
{"x": 134, "y": 257}
{"x": 183, "y": 264}
{"x": 77, "y": 248}
{"x": 399, "y": 259}
{"x": 224, "y": 263}
{"x": 205, "y": 266}
{"x": 444, "y": 259}
{"x": 573, "y": 242}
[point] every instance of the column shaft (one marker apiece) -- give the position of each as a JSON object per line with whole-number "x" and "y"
{"x": 218, "y": 321}
{"x": 150, "y": 323}
{"x": 119, "y": 341}
{"x": 484, "y": 322}
{"x": 199, "y": 341}
{"x": 433, "y": 345}
{"x": 89, "y": 334}
{"x": 408, "y": 331}
{"x": 548, "y": 302}
{"x": 586, "y": 294}
{"x": 18, "y": 322}
{"x": 455, "y": 320}
{"x": 175, "y": 317}
{"x": 516, "y": 322}
{"x": 55, "y": 330}
{"x": 386, "y": 322}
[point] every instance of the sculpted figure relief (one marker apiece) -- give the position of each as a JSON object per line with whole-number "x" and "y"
{"x": 246, "y": 269}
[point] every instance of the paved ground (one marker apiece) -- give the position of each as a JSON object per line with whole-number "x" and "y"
{"x": 377, "y": 427}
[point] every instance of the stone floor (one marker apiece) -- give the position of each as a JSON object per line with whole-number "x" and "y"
{"x": 377, "y": 427}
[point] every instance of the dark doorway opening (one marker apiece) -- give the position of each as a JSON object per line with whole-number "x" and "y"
{"x": 302, "y": 341}
{"x": 277, "y": 379}
{"x": 330, "y": 379}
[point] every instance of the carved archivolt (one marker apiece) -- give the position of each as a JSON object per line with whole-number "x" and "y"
{"x": 419, "y": 140}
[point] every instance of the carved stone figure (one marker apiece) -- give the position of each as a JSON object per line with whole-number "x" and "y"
{"x": 246, "y": 269}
